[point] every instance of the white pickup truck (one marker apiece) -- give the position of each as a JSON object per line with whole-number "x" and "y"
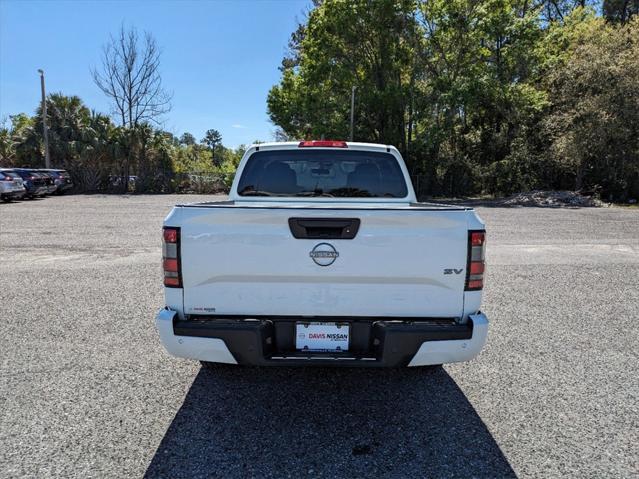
{"x": 322, "y": 255}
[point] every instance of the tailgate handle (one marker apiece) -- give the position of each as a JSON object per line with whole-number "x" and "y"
{"x": 324, "y": 228}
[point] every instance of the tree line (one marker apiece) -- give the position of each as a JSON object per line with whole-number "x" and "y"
{"x": 102, "y": 156}
{"x": 127, "y": 151}
{"x": 480, "y": 96}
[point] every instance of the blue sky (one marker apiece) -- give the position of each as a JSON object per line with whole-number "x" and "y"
{"x": 219, "y": 58}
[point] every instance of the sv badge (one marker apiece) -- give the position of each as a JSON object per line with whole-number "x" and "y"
{"x": 452, "y": 270}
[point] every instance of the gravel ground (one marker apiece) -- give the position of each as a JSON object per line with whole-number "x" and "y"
{"x": 86, "y": 389}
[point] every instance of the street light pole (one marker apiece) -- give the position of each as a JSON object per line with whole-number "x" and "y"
{"x": 47, "y": 159}
{"x": 352, "y": 112}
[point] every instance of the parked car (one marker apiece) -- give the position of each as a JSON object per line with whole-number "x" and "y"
{"x": 11, "y": 186}
{"x": 49, "y": 181}
{"x": 323, "y": 256}
{"x": 35, "y": 184}
{"x": 61, "y": 180}
{"x": 49, "y": 187}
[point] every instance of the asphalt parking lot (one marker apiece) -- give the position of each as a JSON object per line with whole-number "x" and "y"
{"x": 86, "y": 390}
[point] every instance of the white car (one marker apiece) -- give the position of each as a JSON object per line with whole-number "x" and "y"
{"x": 11, "y": 186}
{"x": 323, "y": 256}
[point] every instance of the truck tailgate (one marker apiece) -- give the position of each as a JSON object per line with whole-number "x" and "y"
{"x": 246, "y": 261}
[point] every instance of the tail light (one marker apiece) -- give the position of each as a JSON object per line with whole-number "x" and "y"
{"x": 476, "y": 260}
{"x": 322, "y": 143}
{"x": 171, "y": 258}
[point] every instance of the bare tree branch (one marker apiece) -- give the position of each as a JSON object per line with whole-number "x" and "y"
{"x": 130, "y": 77}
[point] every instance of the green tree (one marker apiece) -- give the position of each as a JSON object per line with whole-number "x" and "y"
{"x": 345, "y": 44}
{"x": 27, "y": 139}
{"x": 229, "y": 161}
{"x": 593, "y": 123}
{"x": 99, "y": 153}
{"x": 447, "y": 81}
{"x": 67, "y": 117}
{"x": 212, "y": 139}
{"x": 187, "y": 139}
{"x": 13, "y": 133}
{"x": 7, "y": 146}
{"x": 620, "y": 10}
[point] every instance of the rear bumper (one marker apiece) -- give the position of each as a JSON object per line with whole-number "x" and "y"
{"x": 16, "y": 194}
{"x": 61, "y": 187}
{"x": 383, "y": 343}
{"x": 36, "y": 191}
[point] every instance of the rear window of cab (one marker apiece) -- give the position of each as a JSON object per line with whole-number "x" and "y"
{"x": 322, "y": 173}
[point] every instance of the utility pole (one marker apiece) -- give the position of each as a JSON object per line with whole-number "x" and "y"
{"x": 47, "y": 159}
{"x": 352, "y": 112}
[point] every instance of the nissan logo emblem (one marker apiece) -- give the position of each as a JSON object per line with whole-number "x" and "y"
{"x": 324, "y": 254}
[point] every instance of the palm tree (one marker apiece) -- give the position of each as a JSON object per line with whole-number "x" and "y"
{"x": 98, "y": 153}
{"x": 67, "y": 117}
{"x": 7, "y": 147}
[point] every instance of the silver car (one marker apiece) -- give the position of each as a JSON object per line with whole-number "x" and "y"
{"x": 11, "y": 186}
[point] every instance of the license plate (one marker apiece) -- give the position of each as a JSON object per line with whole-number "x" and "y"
{"x": 322, "y": 336}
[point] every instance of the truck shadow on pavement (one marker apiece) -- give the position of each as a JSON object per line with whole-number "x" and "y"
{"x": 245, "y": 422}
